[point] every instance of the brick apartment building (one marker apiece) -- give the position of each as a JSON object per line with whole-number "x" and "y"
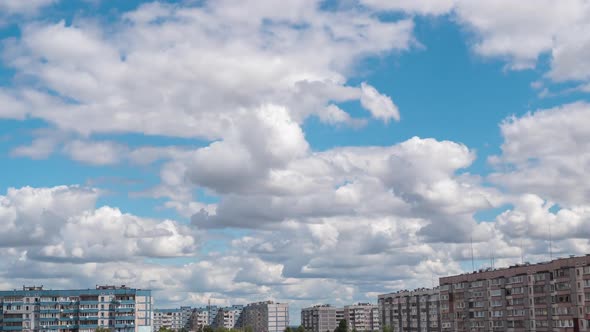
{"x": 548, "y": 296}
{"x": 411, "y": 311}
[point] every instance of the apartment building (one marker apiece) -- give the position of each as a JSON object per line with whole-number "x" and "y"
{"x": 199, "y": 318}
{"x": 228, "y": 317}
{"x": 411, "y": 311}
{"x": 339, "y": 315}
{"x": 34, "y": 309}
{"x": 548, "y": 296}
{"x": 186, "y": 312}
{"x": 362, "y": 317}
{"x": 175, "y": 319}
{"x": 266, "y": 316}
{"x": 320, "y": 318}
{"x": 168, "y": 318}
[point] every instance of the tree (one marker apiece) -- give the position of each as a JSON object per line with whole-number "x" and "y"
{"x": 288, "y": 329}
{"x": 208, "y": 329}
{"x": 300, "y": 328}
{"x": 342, "y": 326}
{"x": 101, "y": 329}
{"x": 387, "y": 328}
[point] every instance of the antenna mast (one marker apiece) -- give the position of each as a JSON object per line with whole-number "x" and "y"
{"x": 550, "y": 243}
{"x": 472, "y": 261}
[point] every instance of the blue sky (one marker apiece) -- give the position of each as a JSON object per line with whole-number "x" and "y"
{"x": 238, "y": 155}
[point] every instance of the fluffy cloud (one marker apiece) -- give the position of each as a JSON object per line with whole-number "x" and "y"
{"x": 380, "y": 106}
{"x": 519, "y": 33}
{"x": 62, "y": 224}
{"x": 106, "y": 83}
{"x": 547, "y": 153}
{"x": 23, "y": 7}
{"x": 422, "y": 7}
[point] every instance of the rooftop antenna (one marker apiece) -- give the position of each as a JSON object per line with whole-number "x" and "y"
{"x": 521, "y": 252}
{"x": 472, "y": 261}
{"x": 550, "y": 243}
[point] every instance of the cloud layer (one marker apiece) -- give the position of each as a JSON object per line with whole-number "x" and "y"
{"x": 260, "y": 211}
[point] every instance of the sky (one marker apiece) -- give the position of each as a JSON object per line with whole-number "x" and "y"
{"x": 303, "y": 151}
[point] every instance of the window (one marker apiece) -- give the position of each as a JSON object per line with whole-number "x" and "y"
{"x": 540, "y": 300}
{"x": 587, "y": 283}
{"x": 540, "y": 276}
{"x": 562, "y": 286}
{"x": 476, "y": 284}
{"x": 477, "y": 294}
{"x": 562, "y": 273}
{"x": 498, "y": 313}
{"x": 586, "y": 269}
{"x": 513, "y": 280}
{"x": 518, "y": 290}
{"x": 496, "y": 303}
{"x": 496, "y": 292}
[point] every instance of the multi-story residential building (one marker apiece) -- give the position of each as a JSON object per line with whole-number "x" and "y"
{"x": 339, "y": 315}
{"x": 411, "y": 311}
{"x": 320, "y": 318}
{"x": 266, "y": 316}
{"x": 175, "y": 319}
{"x": 199, "y": 318}
{"x": 34, "y": 309}
{"x": 168, "y": 318}
{"x": 362, "y": 317}
{"x": 186, "y": 312}
{"x": 228, "y": 317}
{"x": 211, "y": 313}
{"x": 549, "y": 296}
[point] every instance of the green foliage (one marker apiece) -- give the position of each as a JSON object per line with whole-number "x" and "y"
{"x": 342, "y": 326}
{"x": 387, "y": 328}
{"x": 165, "y": 329}
{"x": 101, "y": 329}
{"x": 208, "y": 329}
{"x": 300, "y": 328}
{"x": 248, "y": 329}
{"x": 288, "y": 329}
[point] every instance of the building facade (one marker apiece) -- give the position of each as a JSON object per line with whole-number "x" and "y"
{"x": 549, "y": 296}
{"x": 199, "y": 319}
{"x": 411, "y": 311}
{"x": 33, "y": 309}
{"x": 168, "y": 318}
{"x": 265, "y": 316}
{"x": 175, "y": 319}
{"x": 228, "y": 317}
{"x": 320, "y": 318}
{"x": 362, "y": 317}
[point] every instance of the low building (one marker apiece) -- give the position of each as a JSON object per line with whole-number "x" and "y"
{"x": 362, "y": 317}
{"x": 265, "y": 316}
{"x": 320, "y": 318}
{"x": 411, "y": 311}
{"x": 118, "y": 308}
